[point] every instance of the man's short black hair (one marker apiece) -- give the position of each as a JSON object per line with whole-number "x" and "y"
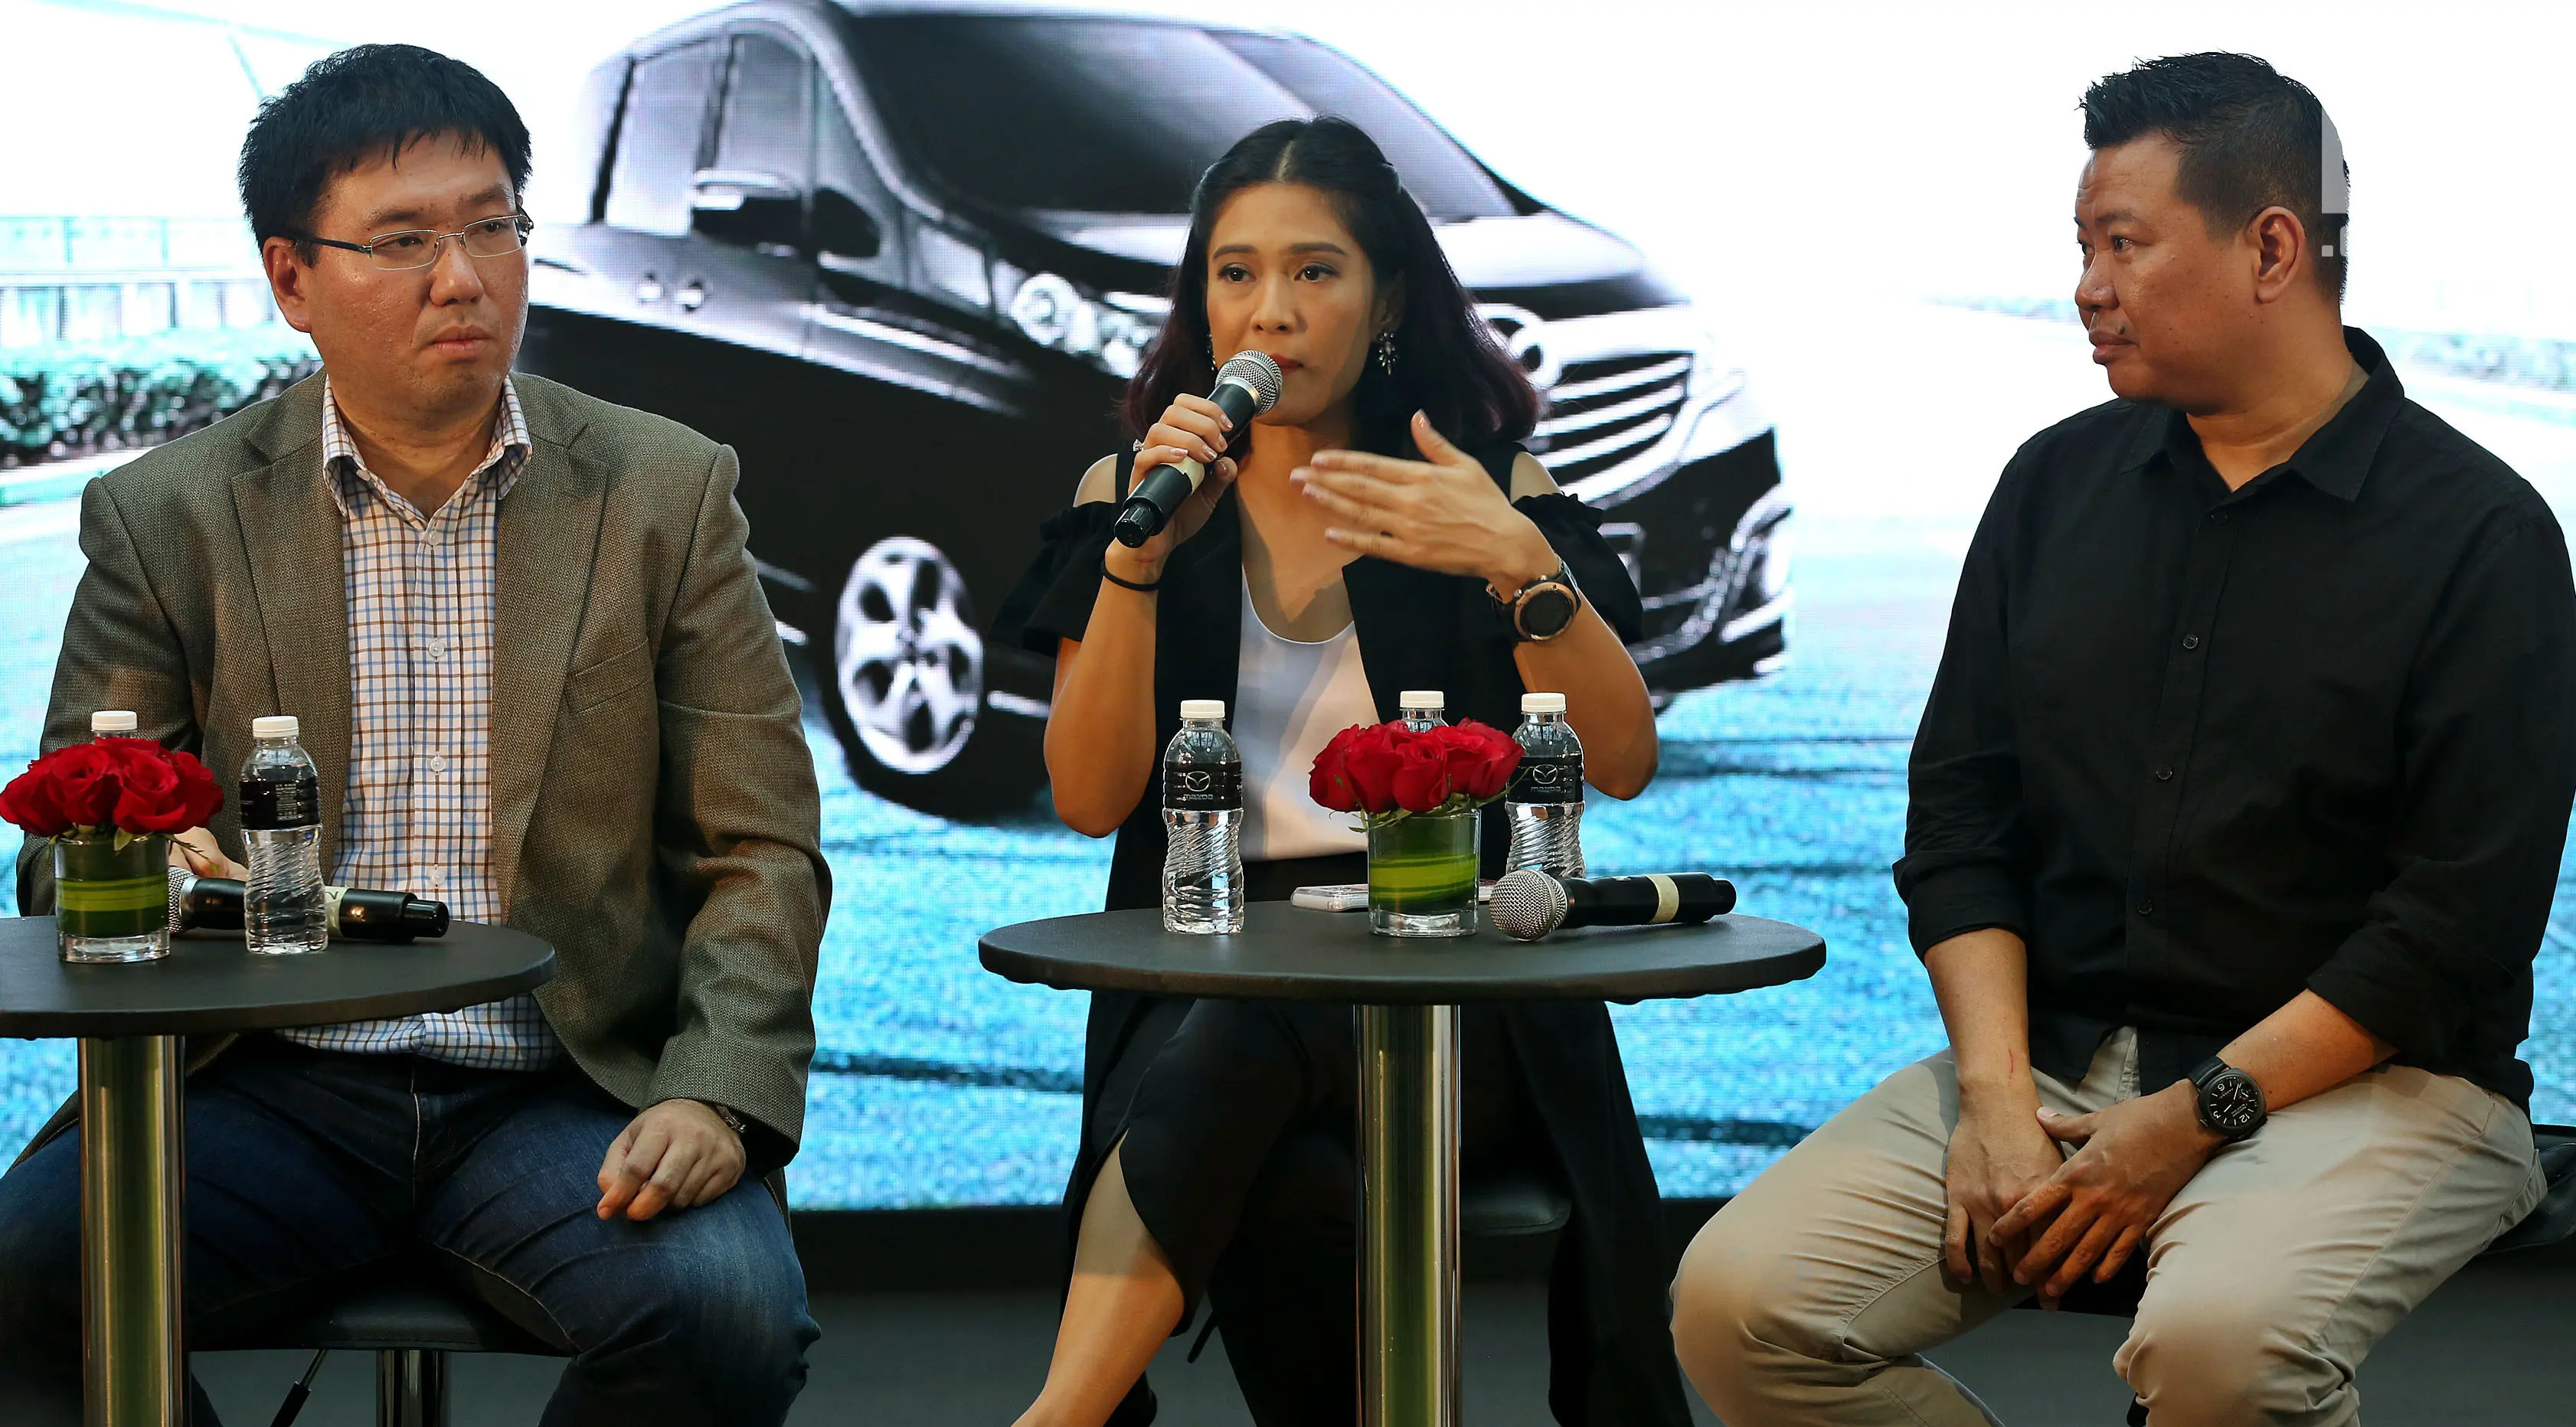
{"x": 356, "y": 105}
{"x": 2250, "y": 137}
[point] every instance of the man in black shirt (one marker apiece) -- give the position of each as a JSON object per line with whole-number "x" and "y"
{"x": 2236, "y": 813}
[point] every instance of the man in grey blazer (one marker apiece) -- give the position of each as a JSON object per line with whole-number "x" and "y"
{"x": 531, "y": 657}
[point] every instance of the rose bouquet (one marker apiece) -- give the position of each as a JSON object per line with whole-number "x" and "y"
{"x": 110, "y": 806}
{"x": 132, "y": 787}
{"x": 1386, "y": 772}
{"x": 1416, "y": 792}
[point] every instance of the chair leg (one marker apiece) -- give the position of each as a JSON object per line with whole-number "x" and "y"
{"x": 411, "y": 1388}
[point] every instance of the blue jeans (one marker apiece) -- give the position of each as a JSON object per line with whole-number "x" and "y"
{"x": 308, "y": 1170}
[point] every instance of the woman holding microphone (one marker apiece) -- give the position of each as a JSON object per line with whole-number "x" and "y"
{"x": 1369, "y": 533}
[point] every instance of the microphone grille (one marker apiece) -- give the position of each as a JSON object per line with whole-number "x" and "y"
{"x": 1527, "y": 904}
{"x": 1255, "y": 373}
{"x": 180, "y": 878}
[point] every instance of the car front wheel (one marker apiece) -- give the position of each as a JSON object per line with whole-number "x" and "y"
{"x": 904, "y": 672}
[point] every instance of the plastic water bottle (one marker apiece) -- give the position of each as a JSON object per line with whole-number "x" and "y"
{"x": 281, "y": 817}
{"x": 1545, "y": 796}
{"x": 1421, "y": 709}
{"x": 1203, "y": 824}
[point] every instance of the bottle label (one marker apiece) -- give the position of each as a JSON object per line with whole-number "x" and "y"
{"x": 1557, "y": 779}
{"x": 1203, "y": 790}
{"x": 284, "y": 803}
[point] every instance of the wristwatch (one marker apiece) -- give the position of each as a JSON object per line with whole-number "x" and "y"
{"x": 1545, "y": 607}
{"x": 741, "y": 1128}
{"x": 2231, "y": 1104}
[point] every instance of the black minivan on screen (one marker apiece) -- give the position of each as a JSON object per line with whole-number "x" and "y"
{"x": 904, "y": 256}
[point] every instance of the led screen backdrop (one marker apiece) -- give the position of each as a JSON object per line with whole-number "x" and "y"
{"x": 1794, "y": 291}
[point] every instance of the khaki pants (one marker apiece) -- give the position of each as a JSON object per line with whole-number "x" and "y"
{"x": 1806, "y": 1300}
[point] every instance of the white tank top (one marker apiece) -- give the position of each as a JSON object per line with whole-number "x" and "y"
{"x": 1290, "y": 698}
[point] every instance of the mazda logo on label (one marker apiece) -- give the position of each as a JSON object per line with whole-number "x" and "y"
{"x": 1544, "y": 774}
{"x": 1197, "y": 782}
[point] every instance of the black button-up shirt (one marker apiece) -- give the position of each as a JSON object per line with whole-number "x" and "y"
{"x": 2206, "y": 749}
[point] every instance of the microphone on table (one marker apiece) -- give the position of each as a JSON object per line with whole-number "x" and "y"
{"x": 1529, "y": 904}
{"x": 352, "y": 913}
{"x": 1246, "y": 386}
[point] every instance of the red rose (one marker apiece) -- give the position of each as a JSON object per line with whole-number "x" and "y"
{"x": 87, "y": 781}
{"x": 1421, "y": 772}
{"x": 1330, "y": 784}
{"x": 29, "y": 803}
{"x": 204, "y": 797}
{"x": 164, "y": 791}
{"x": 151, "y": 801}
{"x": 1369, "y": 760}
{"x": 1482, "y": 761}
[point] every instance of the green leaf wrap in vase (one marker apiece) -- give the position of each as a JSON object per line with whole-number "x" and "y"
{"x": 112, "y": 895}
{"x": 110, "y": 806}
{"x": 1416, "y": 791}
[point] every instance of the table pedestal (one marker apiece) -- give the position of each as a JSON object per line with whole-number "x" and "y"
{"x": 132, "y": 1170}
{"x": 1408, "y": 1216}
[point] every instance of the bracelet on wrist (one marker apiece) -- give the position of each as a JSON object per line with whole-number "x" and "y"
{"x": 1141, "y": 587}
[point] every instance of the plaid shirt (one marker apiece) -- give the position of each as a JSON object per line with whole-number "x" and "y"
{"x": 418, "y": 816}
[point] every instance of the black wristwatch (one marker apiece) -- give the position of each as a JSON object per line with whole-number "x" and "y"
{"x": 2231, "y": 1104}
{"x": 1545, "y": 607}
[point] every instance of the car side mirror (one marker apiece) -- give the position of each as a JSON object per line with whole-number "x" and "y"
{"x": 843, "y": 231}
{"x": 747, "y": 207}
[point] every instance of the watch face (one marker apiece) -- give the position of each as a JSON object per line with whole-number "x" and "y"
{"x": 1546, "y": 612}
{"x": 2231, "y": 1103}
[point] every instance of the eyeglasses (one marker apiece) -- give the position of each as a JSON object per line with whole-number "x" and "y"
{"x": 418, "y": 247}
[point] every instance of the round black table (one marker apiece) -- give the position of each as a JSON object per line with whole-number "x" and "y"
{"x": 1408, "y": 992}
{"x": 128, "y": 1018}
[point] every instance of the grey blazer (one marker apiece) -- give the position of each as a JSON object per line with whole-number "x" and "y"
{"x": 654, "y": 812}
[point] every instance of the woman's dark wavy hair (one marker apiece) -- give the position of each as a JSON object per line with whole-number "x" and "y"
{"x": 1447, "y": 363}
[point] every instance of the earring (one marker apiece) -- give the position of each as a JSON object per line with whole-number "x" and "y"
{"x": 1386, "y": 351}
{"x": 1211, "y": 349}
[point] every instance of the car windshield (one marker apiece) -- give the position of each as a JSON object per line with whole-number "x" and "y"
{"x": 1120, "y": 116}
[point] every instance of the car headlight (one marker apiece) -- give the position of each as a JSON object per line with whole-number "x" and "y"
{"x": 1110, "y": 330}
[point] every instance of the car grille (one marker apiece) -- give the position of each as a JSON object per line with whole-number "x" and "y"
{"x": 1601, "y": 413}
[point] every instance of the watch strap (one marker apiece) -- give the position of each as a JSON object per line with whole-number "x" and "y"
{"x": 733, "y": 1121}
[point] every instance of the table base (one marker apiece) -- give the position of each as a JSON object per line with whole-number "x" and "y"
{"x": 1408, "y": 1133}
{"x": 132, "y": 1170}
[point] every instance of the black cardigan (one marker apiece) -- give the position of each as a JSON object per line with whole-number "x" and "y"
{"x": 1612, "y": 1351}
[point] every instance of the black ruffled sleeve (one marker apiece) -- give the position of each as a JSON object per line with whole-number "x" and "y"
{"x": 1574, "y": 529}
{"x": 1052, "y": 601}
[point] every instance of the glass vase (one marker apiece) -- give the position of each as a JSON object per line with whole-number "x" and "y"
{"x": 112, "y": 903}
{"x": 1422, "y": 875}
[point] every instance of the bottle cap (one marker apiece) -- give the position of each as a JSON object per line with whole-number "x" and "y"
{"x": 275, "y": 726}
{"x": 1202, "y": 708}
{"x": 1542, "y": 703}
{"x": 1422, "y": 699}
{"x": 112, "y": 721}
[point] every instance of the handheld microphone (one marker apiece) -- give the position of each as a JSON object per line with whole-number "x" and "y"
{"x": 352, "y": 913}
{"x": 1529, "y": 904}
{"x": 1247, "y": 386}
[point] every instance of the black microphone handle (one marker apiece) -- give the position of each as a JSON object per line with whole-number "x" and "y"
{"x": 357, "y": 913}
{"x": 1159, "y": 494}
{"x": 1633, "y": 901}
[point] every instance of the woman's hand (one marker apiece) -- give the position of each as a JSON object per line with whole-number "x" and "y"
{"x": 1442, "y": 514}
{"x": 1195, "y": 428}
